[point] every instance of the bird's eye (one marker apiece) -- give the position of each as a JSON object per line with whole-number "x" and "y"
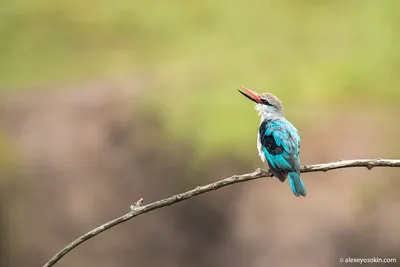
{"x": 265, "y": 102}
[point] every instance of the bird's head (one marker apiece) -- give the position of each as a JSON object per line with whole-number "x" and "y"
{"x": 268, "y": 105}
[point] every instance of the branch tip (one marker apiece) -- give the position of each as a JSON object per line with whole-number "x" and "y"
{"x": 135, "y": 206}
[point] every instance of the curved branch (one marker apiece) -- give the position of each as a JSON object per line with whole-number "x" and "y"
{"x": 136, "y": 209}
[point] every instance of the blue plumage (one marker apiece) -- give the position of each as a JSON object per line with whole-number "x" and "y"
{"x": 278, "y": 141}
{"x": 297, "y": 184}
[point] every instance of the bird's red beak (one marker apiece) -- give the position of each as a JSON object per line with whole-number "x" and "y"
{"x": 250, "y": 95}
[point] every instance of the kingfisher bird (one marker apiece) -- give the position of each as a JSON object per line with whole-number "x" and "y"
{"x": 278, "y": 141}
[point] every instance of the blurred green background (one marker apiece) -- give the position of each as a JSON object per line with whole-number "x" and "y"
{"x": 168, "y": 72}
{"x": 329, "y": 52}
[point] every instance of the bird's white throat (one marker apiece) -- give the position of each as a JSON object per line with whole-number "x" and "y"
{"x": 268, "y": 113}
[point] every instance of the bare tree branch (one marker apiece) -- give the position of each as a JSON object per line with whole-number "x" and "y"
{"x": 137, "y": 209}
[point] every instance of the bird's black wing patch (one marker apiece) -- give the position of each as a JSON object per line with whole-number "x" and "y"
{"x": 268, "y": 141}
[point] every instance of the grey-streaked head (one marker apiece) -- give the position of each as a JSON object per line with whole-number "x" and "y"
{"x": 268, "y": 105}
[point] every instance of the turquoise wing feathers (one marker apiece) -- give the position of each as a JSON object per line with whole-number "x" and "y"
{"x": 280, "y": 142}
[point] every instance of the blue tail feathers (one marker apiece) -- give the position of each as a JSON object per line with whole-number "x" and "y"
{"x": 296, "y": 184}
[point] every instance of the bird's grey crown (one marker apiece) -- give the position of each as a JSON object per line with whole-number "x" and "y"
{"x": 272, "y": 109}
{"x": 273, "y": 100}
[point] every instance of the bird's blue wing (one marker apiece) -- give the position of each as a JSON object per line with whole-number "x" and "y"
{"x": 281, "y": 143}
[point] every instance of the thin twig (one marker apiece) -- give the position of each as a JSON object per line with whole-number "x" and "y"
{"x": 137, "y": 209}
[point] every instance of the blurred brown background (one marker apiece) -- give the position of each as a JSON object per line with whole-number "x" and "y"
{"x": 102, "y": 103}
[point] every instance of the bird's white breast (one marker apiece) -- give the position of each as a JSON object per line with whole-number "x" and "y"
{"x": 259, "y": 147}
